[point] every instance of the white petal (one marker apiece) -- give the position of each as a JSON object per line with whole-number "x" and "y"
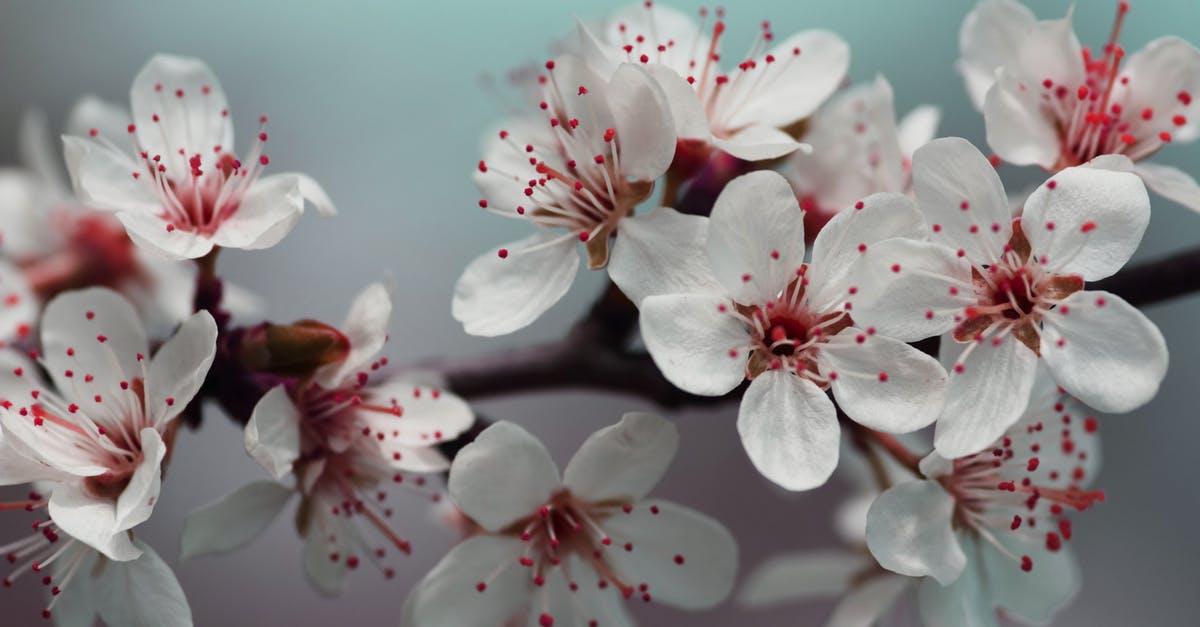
{"x": 73, "y": 326}
{"x": 841, "y": 242}
{"x": 623, "y": 461}
{"x": 314, "y": 194}
{"x": 758, "y": 142}
{"x": 1031, "y": 597}
{"x": 883, "y": 383}
{"x": 104, "y": 178}
{"x": 696, "y": 341}
{"x": 1018, "y": 129}
{"x": 1173, "y": 183}
{"x": 37, "y": 151}
{"x": 1090, "y": 223}
{"x": 911, "y": 290}
{"x": 662, "y": 252}
{"x": 795, "y": 577}
{"x": 91, "y": 521}
{"x": 366, "y": 328}
{"x": 961, "y": 604}
{"x": 19, "y": 464}
{"x": 180, "y": 367}
{"x": 645, "y": 128}
{"x": 986, "y": 397}
{"x": 25, "y": 202}
{"x": 272, "y": 435}
{"x": 661, "y": 533}
{"x": 448, "y": 597}
{"x": 657, "y": 24}
{"x": 157, "y": 235}
{"x": 789, "y": 429}
{"x": 265, "y": 215}
{"x": 1051, "y": 50}
{"x": 18, "y": 305}
{"x": 756, "y": 237}
{"x": 1059, "y": 466}
{"x": 17, "y": 468}
{"x": 990, "y": 38}
{"x": 868, "y": 603}
{"x": 327, "y": 535}
{"x": 142, "y": 593}
{"x": 90, "y": 112}
{"x": 233, "y": 521}
{"x": 793, "y": 86}
{"x": 1157, "y": 74}
{"x": 191, "y": 107}
{"x": 136, "y": 502}
{"x": 55, "y": 449}
{"x": 503, "y": 476}
{"x": 949, "y": 172}
{"x": 496, "y": 296}
{"x": 426, "y": 415}
{"x": 909, "y": 532}
{"x": 918, "y": 128}
{"x": 691, "y": 122}
{"x": 1104, "y": 351}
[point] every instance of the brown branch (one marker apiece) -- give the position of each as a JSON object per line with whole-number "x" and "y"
{"x": 1155, "y": 281}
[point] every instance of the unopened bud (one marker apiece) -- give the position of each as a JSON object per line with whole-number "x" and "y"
{"x": 292, "y": 350}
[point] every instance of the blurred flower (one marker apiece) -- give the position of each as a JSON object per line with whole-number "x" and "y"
{"x": 341, "y": 434}
{"x": 182, "y": 191}
{"x": 990, "y": 530}
{"x": 581, "y": 168}
{"x": 1048, "y": 101}
{"x": 1012, "y": 290}
{"x": 745, "y": 112}
{"x": 567, "y": 550}
{"x": 785, "y": 325}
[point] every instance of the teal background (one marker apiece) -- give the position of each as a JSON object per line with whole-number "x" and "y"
{"x": 383, "y": 103}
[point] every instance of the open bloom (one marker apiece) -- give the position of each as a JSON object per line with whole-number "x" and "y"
{"x": 1048, "y": 101}
{"x": 991, "y": 530}
{"x": 342, "y": 434}
{"x": 745, "y": 112}
{"x": 859, "y": 149}
{"x": 1011, "y": 291}
{"x": 182, "y": 191}
{"x": 766, "y": 316}
{"x": 576, "y": 172}
{"x": 567, "y": 550}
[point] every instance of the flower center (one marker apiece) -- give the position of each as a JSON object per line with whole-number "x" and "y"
{"x": 786, "y": 334}
{"x": 96, "y": 252}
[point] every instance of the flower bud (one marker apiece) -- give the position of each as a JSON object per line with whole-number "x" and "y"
{"x": 292, "y": 350}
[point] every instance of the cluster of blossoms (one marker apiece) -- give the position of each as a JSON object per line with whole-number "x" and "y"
{"x": 772, "y": 233}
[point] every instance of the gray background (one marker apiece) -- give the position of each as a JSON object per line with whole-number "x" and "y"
{"x": 382, "y": 103}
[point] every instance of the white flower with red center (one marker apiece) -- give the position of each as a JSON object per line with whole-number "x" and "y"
{"x": 990, "y": 531}
{"x": 569, "y": 549}
{"x": 1048, "y": 101}
{"x": 1011, "y": 291}
{"x": 859, "y": 149}
{"x": 576, "y": 172}
{"x": 765, "y": 315}
{"x": 745, "y": 112}
{"x": 342, "y": 434}
{"x": 182, "y": 191}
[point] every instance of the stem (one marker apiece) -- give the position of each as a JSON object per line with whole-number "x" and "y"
{"x": 1155, "y": 281}
{"x": 895, "y": 448}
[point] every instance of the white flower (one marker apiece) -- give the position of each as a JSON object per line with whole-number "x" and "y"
{"x": 568, "y": 550}
{"x": 1050, "y": 102}
{"x": 182, "y": 191}
{"x": 340, "y": 434}
{"x": 576, "y": 171}
{"x": 743, "y": 112}
{"x": 765, "y": 315}
{"x": 859, "y": 149}
{"x": 990, "y": 530}
{"x": 1012, "y": 290}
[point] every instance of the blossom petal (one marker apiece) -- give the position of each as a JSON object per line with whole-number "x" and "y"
{"x": 963, "y": 603}
{"x": 950, "y": 174}
{"x": 180, "y": 367}
{"x": 448, "y": 596}
{"x": 37, "y": 151}
{"x": 90, "y": 520}
{"x": 808, "y": 67}
{"x": 1018, "y": 130}
{"x": 18, "y": 306}
{"x": 866, "y": 604}
{"x": 990, "y": 37}
{"x": 1051, "y": 50}
{"x": 758, "y": 142}
{"x": 1158, "y": 73}
{"x": 504, "y": 475}
{"x": 1104, "y": 351}
{"x": 911, "y": 290}
{"x": 696, "y": 341}
{"x": 795, "y": 577}
{"x": 789, "y": 429}
{"x": 161, "y": 236}
{"x": 1031, "y": 597}
{"x": 498, "y": 295}
{"x": 1089, "y": 223}
{"x": 191, "y": 108}
{"x": 688, "y": 559}
{"x": 104, "y": 178}
{"x": 662, "y": 252}
{"x": 19, "y": 466}
{"x": 623, "y": 461}
{"x": 691, "y": 121}
{"x": 917, "y": 128}
{"x": 756, "y": 237}
{"x": 267, "y": 213}
{"x": 233, "y": 521}
{"x": 272, "y": 435}
{"x": 136, "y": 502}
{"x": 642, "y": 118}
{"x": 25, "y": 203}
{"x": 909, "y": 532}
{"x": 883, "y": 383}
{"x": 420, "y": 415}
{"x": 985, "y": 396}
{"x": 88, "y": 332}
{"x": 1172, "y": 183}
{"x": 315, "y": 195}
{"x": 366, "y": 328}
{"x": 142, "y": 593}
{"x": 90, "y": 112}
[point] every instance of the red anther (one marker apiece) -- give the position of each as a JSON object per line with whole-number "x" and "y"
{"x": 546, "y": 620}
{"x": 503, "y": 253}
{"x": 264, "y": 160}
{"x": 1053, "y": 541}
{"x": 1026, "y": 563}
{"x": 1087, "y": 227}
{"x": 550, "y": 65}
{"x": 1179, "y": 120}
{"x": 609, "y": 134}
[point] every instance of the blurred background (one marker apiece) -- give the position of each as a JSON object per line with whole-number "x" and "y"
{"x": 384, "y": 103}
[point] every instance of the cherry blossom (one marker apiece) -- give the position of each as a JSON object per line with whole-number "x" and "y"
{"x": 1048, "y": 101}
{"x": 342, "y": 434}
{"x": 786, "y": 326}
{"x": 182, "y": 191}
{"x": 745, "y": 112}
{"x": 1011, "y": 292}
{"x": 576, "y": 171}
{"x": 859, "y": 149}
{"x": 569, "y": 549}
{"x": 992, "y": 529}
